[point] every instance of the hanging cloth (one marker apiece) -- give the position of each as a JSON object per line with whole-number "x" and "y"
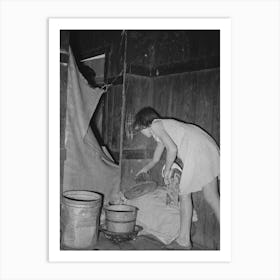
{"x": 87, "y": 167}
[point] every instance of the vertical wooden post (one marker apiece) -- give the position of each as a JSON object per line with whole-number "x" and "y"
{"x": 64, "y": 59}
{"x": 123, "y": 104}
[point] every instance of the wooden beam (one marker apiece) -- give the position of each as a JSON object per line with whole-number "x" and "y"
{"x": 123, "y": 107}
{"x": 168, "y": 69}
{"x": 183, "y": 67}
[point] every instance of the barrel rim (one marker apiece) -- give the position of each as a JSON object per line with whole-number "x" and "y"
{"x": 120, "y": 222}
{"x": 97, "y": 194}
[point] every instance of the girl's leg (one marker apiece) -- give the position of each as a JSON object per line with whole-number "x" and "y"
{"x": 211, "y": 195}
{"x": 186, "y": 209}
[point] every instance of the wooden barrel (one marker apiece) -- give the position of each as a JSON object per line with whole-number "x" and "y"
{"x": 120, "y": 218}
{"x": 80, "y": 212}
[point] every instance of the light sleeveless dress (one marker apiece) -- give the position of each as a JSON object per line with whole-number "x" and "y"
{"x": 197, "y": 150}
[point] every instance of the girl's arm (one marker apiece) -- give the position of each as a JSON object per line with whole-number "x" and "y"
{"x": 157, "y": 155}
{"x": 171, "y": 147}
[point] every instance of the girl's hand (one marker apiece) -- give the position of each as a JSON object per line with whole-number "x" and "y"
{"x": 167, "y": 176}
{"x": 143, "y": 170}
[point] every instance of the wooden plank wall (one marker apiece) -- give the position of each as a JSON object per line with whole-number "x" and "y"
{"x": 191, "y": 97}
{"x": 139, "y": 93}
{"x": 194, "y": 97}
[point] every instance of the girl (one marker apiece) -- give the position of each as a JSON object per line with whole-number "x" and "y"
{"x": 201, "y": 162}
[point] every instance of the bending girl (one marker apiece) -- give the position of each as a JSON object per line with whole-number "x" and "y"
{"x": 201, "y": 162}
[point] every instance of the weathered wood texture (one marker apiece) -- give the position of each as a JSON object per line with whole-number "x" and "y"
{"x": 151, "y": 52}
{"x": 64, "y": 57}
{"x": 139, "y": 93}
{"x": 189, "y": 46}
{"x": 191, "y": 97}
{"x": 194, "y": 97}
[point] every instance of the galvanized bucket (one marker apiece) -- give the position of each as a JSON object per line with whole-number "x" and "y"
{"x": 80, "y": 212}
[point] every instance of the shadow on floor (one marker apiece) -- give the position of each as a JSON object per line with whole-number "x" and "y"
{"x": 142, "y": 242}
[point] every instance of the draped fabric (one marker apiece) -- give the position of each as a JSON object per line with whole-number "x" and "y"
{"x": 87, "y": 166}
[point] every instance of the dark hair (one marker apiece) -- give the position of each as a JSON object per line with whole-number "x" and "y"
{"x": 144, "y": 118}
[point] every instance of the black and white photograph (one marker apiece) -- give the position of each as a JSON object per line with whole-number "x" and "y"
{"x": 139, "y": 139}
